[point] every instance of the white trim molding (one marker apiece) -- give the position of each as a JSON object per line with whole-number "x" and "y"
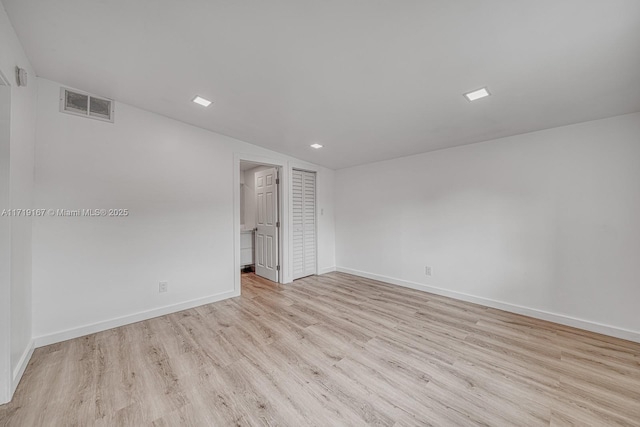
{"x": 326, "y": 270}
{"x": 561, "y": 319}
{"x": 92, "y": 328}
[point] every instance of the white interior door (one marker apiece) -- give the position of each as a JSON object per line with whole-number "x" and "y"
{"x": 267, "y": 224}
{"x": 304, "y": 223}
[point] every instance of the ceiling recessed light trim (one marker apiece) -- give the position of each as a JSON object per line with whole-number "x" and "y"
{"x": 477, "y": 94}
{"x": 316, "y": 146}
{"x": 201, "y": 101}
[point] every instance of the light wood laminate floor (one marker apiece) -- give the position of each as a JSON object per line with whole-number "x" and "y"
{"x": 332, "y": 350}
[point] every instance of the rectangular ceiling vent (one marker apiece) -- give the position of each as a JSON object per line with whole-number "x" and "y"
{"x": 83, "y": 104}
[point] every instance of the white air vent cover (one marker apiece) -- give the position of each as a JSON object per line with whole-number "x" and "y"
{"x": 83, "y": 104}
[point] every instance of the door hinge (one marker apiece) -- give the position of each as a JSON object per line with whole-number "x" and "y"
{"x": 277, "y": 181}
{"x": 277, "y": 268}
{"x": 278, "y": 224}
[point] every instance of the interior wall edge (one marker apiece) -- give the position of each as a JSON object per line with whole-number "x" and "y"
{"x": 22, "y": 365}
{"x": 80, "y": 331}
{"x": 561, "y": 319}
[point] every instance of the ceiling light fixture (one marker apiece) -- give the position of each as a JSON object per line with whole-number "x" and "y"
{"x": 477, "y": 94}
{"x": 316, "y": 146}
{"x": 201, "y": 101}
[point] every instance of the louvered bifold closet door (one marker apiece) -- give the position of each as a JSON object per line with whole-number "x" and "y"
{"x": 298, "y": 224}
{"x": 309, "y": 219}
{"x": 304, "y": 223}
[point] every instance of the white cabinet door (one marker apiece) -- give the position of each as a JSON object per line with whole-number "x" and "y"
{"x": 304, "y": 223}
{"x": 246, "y": 248}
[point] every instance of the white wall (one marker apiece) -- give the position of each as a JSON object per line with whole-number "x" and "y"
{"x": 15, "y": 278}
{"x": 326, "y": 221}
{"x": 547, "y": 223}
{"x": 177, "y": 182}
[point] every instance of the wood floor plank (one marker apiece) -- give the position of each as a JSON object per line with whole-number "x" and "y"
{"x": 332, "y": 350}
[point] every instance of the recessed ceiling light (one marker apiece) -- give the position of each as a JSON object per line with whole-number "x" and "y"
{"x": 316, "y": 146}
{"x": 477, "y": 94}
{"x": 202, "y": 101}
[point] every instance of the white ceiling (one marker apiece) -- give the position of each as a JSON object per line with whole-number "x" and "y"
{"x": 368, "y": 79}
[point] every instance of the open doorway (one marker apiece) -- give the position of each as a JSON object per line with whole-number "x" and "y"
{"x": 287, "y": 232}
{"x": 260, "y": 231}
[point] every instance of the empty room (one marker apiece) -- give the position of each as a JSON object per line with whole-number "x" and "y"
{"x": 319, "y": 213}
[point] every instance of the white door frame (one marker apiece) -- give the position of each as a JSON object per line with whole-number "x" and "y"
{"x": 286, "y": 212}
{"x": 283, "y": 253}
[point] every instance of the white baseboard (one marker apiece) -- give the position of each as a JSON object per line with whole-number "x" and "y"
{"x": 22, "y": 365}
{"x": 562, "y": 319}
{"x": 128, "y": 319}
{"x": 326, "y": 270}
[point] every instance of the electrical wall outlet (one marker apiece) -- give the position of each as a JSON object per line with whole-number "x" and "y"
{"x": 428, "y": 271}
{"x": 163, "y": 287}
